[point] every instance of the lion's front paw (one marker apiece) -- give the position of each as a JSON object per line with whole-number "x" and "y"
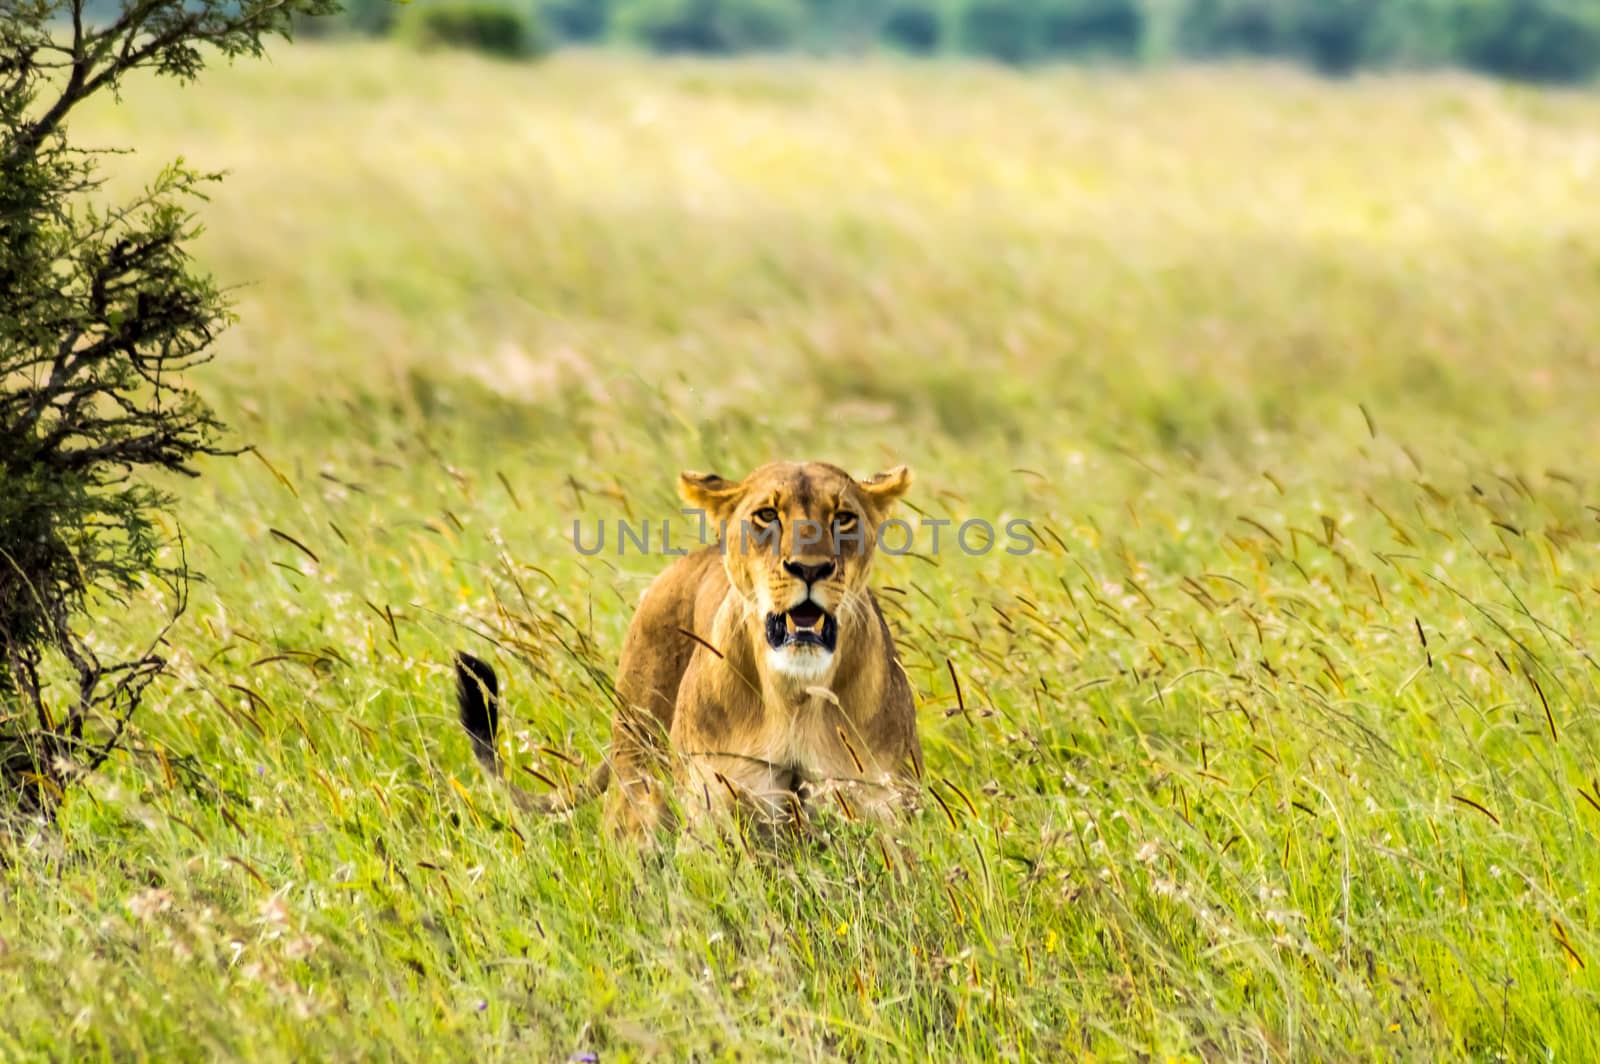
{"x": 638, "y": 811}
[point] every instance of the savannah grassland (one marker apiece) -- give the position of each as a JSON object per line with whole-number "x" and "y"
{"x": 1282, "y": 745}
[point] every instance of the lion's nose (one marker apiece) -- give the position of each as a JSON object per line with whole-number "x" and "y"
{"x": 809, "y": 573}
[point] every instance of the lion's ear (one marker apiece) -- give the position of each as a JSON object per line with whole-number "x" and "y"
{"x": 715, "y": 496}
{"x": 882, "y": 490}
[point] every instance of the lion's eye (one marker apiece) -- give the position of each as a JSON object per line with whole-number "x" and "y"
{"x": 766, "y": 515}
{"x": 844, "y": 520}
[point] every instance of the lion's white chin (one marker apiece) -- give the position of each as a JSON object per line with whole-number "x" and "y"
{"x": 807, "y": 664}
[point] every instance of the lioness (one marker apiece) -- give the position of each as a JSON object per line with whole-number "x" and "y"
{"x": 760, "y": 668}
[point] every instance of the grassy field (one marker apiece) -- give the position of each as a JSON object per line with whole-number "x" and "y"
{"x": 1281, "y": 746}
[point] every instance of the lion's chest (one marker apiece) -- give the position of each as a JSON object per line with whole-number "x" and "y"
{"x": 806, "y": 739}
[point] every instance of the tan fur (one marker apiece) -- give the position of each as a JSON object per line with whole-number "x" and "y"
{"x": 709, "y": 704}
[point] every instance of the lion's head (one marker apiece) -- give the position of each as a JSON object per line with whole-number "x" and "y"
{"x": 798, "y": 540}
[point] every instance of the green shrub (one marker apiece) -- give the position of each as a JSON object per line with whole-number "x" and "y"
{"x": 1335, "y": 36}
{"x": 1539, "y": 40}
{"x": 998, "y": 29}
{"x": 481, "y": 26}
{"x": 1091, "y": 27}
{"x": 1231, "y": 27}
{"x": 368, "y": 18}
{"x": 1533, "y": 40}
{"x": 759, "y": 25}
{"x": 1014, "y": 31}
{"x": 578, "y": 21}
{"x": 711, "y": 26}
{"x": 843, "y": 26}
{"x": 913, "y": 28}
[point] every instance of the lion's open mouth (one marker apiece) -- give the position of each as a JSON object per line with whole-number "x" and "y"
{"x": 805, "y": 625}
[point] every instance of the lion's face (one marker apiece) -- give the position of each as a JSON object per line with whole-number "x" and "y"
{"x": 798, "y": 545}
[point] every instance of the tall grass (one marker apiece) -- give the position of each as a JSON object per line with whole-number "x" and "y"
{"x": 1281, "y": 745}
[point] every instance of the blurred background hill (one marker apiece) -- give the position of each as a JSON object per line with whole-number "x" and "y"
{"x": 1536, "y": 40}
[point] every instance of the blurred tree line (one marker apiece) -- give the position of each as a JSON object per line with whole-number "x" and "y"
{"x": 1536, "y": 40}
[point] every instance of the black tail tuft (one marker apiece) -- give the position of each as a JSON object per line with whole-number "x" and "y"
{"x": 478, "y": 697}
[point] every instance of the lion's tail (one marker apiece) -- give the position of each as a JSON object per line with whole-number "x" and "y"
{"x": 478, "y": 697}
